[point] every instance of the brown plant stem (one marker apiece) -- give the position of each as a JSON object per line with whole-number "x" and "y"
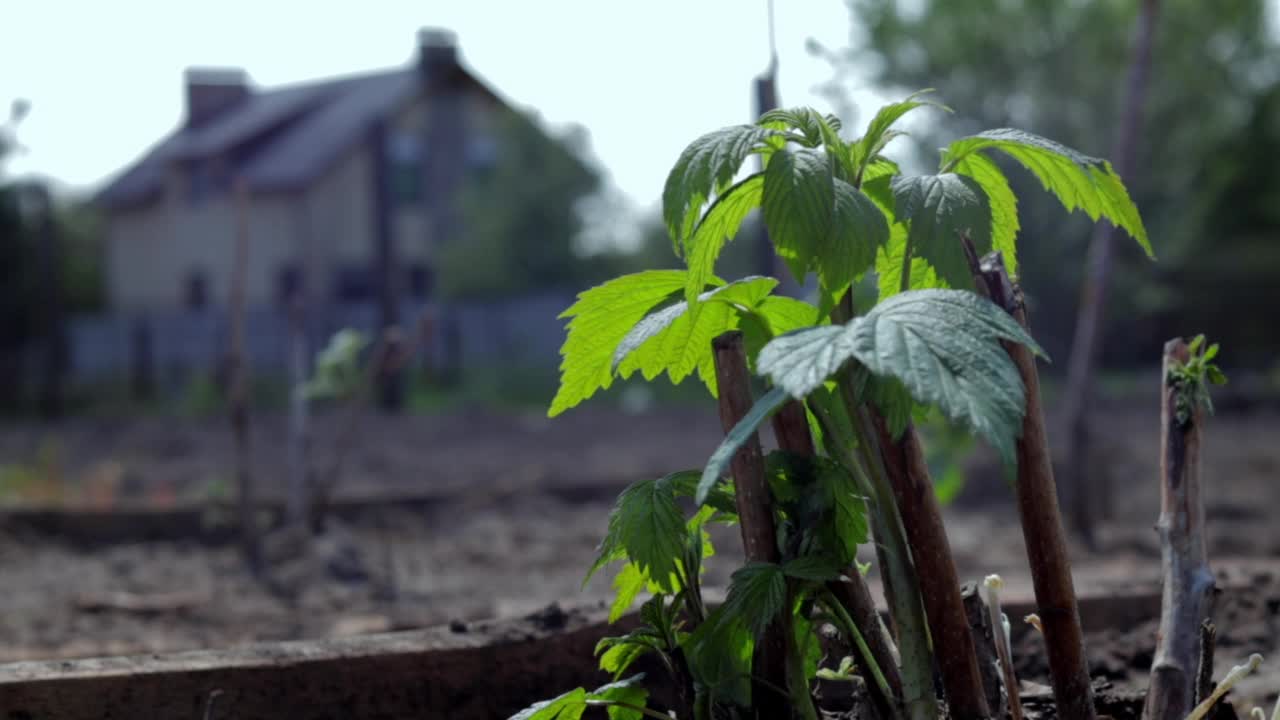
{"x": 1188, "y": 583}
{"x": 939, "y": 582}
{"x": 1042, "y": 530}
{"x": 755, "y": 517}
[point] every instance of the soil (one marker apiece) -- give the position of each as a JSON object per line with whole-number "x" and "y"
{"x": 519, "y": 503}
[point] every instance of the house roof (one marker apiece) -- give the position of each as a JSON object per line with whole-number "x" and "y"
{"x": 297, "y": 131}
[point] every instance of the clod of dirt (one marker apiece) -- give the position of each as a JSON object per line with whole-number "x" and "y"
{"x": 551, "y": 617}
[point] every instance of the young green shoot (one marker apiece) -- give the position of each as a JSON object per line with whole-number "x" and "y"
{"x": 1004, "y": 649}
{"x": 1238, "y": 673}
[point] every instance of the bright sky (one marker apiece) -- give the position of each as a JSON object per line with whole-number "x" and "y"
{"x": 105, "y": 78}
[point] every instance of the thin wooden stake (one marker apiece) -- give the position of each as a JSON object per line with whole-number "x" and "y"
{"x": 1042, "y": 530}
{"x": 239, "y": 397}
{"x": 755, "y": 517}
{"x": 1188, "y": 583}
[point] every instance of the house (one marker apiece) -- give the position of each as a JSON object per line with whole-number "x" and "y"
{"x": 345, "y": 188}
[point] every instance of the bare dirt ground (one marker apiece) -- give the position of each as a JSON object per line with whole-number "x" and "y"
{"x": 520, "y": 504}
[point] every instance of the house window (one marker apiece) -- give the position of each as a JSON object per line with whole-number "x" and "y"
{"x": 404, "y": 163}
{"x": 195, "y": 289}
{"x": 289, "y": 284}
{"x": 353, "y": 284}
{"x": 421, "y": 281}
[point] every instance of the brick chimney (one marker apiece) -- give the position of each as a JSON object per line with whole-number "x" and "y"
{"x": 437, "y": 56}
{"x": 210, "y": 91}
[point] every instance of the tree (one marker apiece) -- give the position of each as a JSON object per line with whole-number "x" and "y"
{"x": 519, "y": 235}
{"x": 1056, "y": 69}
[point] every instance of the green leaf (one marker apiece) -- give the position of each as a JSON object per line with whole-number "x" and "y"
{"x": 678, "y": 341}
{"x": 937, "y": 209}
{"x": 719, "y": 653}
{"x": 816, "y": 128}
{"x": 568, "y": 706}
{"x": 706, "y": 166}
{"x": 648, "y": 524}
{"x": 717, "y": 227}
{"x": 628, "y": 691}
{"x": 601, "y": 318}
{"x": 766, "y": 406}
{"x": 941, "y": 344}
{"x": 849, "y": 513}
{"x": 1004, "y": 205}
{"x": 889, "y": 266}
{"x": 774, "y": 316}
{"x": 720, "y": 498}
{"x": 807, "y": 643}
{"x": 813, "y": 568}
{"x": 757, "y": 595}
{"x": 619, "y": 654}
{"x": 1077, "y": 180}
{"x": 858, "y": 229}
{"x": 627, "y": 585}
{"x": 879, "y": 131}
{"x": 797, "y": 202}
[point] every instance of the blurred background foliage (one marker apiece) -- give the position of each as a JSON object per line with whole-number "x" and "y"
{"x": 1208, "y": 181}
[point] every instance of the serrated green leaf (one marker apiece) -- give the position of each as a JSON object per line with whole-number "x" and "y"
{"x": 719, "y": 653}
{"x": 889, "y": 266}
{"x": 878, "y": 169}
{"x": 797, "y": 203}
{"x": 720, "y": 498}
{"x": 676, "y": 340}
{"x": 1004, "y": 205}
{"x": 619, "y": 657}
{"x": 879, "y": 131}
{"x": 941, "y": 344}
{"x": 817, "y": 129}
{"x": 628, "y": 691}
{"x": 757, "y": 595}
{"x": 650, "y": 527}
{"x": 849, "y": 513}
{"x": 627, "y": 585}
{"x": 800, "y": 362}
{"x": 717, "y": 227}
{"x": 773, "y": 316}
{"x": 1077, "y": 180}
{"x": 858, "y": 229}
{"x": 937, "y": 209}
{"x": 1215, "y": 375}
{"x": 766, "y": 406}
{"x": 568, "y": 706}
{"x": 705, "y": 167}
{"x": 601, "y": 318}
{"x": 813, "y": 568}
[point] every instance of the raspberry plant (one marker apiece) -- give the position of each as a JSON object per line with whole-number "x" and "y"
{"x": 838, "y": 210}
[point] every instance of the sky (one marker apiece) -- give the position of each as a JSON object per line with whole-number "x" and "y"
{"x": 105, "y": 78}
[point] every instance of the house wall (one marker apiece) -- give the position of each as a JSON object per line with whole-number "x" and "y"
{"x": 153, "y": 250}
